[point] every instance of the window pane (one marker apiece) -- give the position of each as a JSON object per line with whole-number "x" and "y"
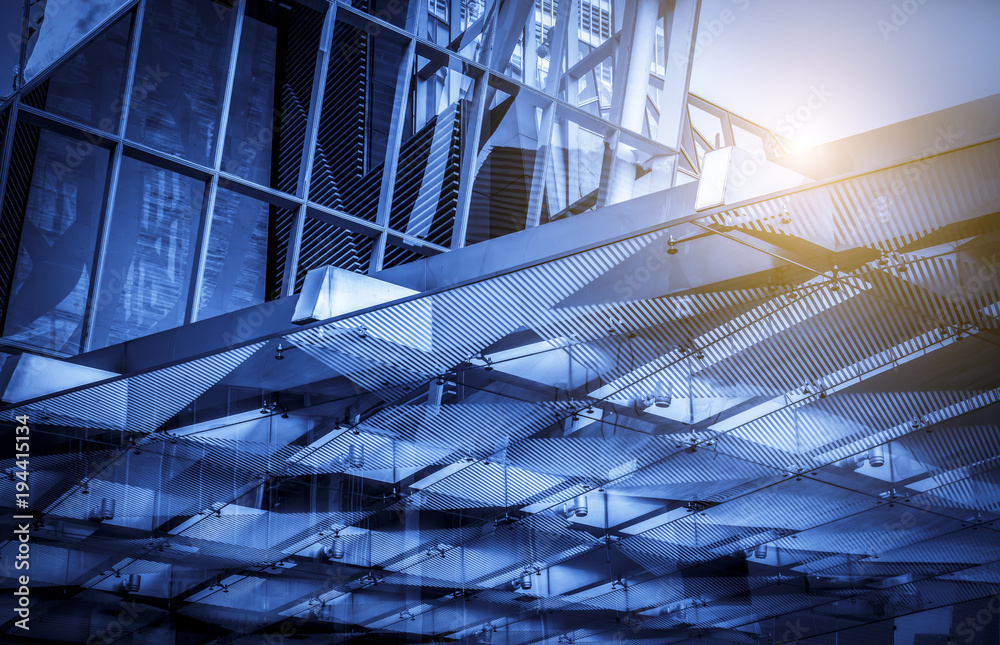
{"x": 88, "y": 87}
{"x": 56, "y": 247}
{"x": 271, "y": 94}
{"x": 63, "y": 25}
{"x": 181, "y": 76}
{"x": 235, "y": 275}
{"x": 9, "y": 55}
{"x": 147, "y": 269}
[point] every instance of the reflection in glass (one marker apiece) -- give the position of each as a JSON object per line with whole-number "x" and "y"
{"x": 237, "y": 252}
{"x": 325, "y": 244}
{"x": 425, "y": 193}
{"x": 54, "y": 263}
{"x": 354, "y": 126}
{"x": 272, "y": 89}
{"x": 180, "y": 77}
{"x": 150, "y": 248}
{"x": 87, "y": 88}
{"x": 60, "y": 28}
{"x": 573, "y": 177}
{"x": 9, "y": 55}
{"x": 511, "y": 141}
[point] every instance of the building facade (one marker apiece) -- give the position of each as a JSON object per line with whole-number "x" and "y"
{"x": 465, "y": 321}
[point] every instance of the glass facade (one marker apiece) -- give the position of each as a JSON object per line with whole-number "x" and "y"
{"x": 363, "y": 135}
{"x": 397, "y": 321}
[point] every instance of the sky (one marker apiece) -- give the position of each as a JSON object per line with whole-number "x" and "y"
{"x": 819, "y": 70}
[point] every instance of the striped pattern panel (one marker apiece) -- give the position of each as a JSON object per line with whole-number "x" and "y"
{"x": 15, "y": 200}
{"x": 339, "y": 177}
{"x": 139, "y": 403}
{"x": 297, "y": 63}
{"x": 279, "y": 227}
{"x": 886, "y": 210}
{"x": 429, "y": 160}
{"x": 324, "y": 244}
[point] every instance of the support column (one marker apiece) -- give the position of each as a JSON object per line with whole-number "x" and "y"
{"x": 639, "y": 53}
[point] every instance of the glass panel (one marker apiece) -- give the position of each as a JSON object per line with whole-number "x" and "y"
{"x": 396, "y": 255}
{"x": 749, "y": 141}
{"x": 180, "y": 77}
{"x": 391, "y": 11}
{"x": 324, "y": 244}
{"x": 708, "y": 126}
{"x": 354, "y": 127}
{"x": 55, "y": 258}
{"x": 151, "y": 243}
{"x": 595, "y": 25}
{"x": 10, "y": 53}
{"x": 235, "y": 274}
{"x": 593, "y": 89}
{"x": 426, "y": 189}
{"x": 509, "y": 143}
{"x": 88, "y": 87}
{"x": 60, "y": 28}
{"x": 574, "y": 173}
{"x": 271, "y": 94}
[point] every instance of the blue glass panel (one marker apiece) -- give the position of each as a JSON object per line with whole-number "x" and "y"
{"x": 55, "y": 258}
{"x": 235, "y": 274}
{"x": 152, "y": 239}
{"x": 181, "y": 77}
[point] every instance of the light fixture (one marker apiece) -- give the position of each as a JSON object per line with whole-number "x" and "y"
{"x": 662, "y": 400}
{"x": 132, "y": 583}
{"x": 278, "y": 356}
{"x": 577, "y": 507}
{"x": 336, "y": 550}
{"x": 105, "y": 512}
{"x": 834, "y": 284}
{"x": 876, "y": 457}
{"x": 700, "y": 355}
{"x": 356, "y": 455}
{"x": 671, "y": 246}
{"x": 760, "y": 551}
{"x": 786, "y": 217}
{"x": 486, "y": 633}
{"x": 489, "y": 365}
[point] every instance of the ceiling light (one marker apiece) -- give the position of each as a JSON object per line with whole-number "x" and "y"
{"x": 577, "y": 507}
{"x": 760, "y": 552}
{"x": 105, "y": 512}
{"x": 671, "y": 246}
{"x": 336, "y": 550}
{"x": 356, "y": 455}
{"x": 132, "y": 583}
{"x": 876, "y": 457}
{"x": 278, "y": 353}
